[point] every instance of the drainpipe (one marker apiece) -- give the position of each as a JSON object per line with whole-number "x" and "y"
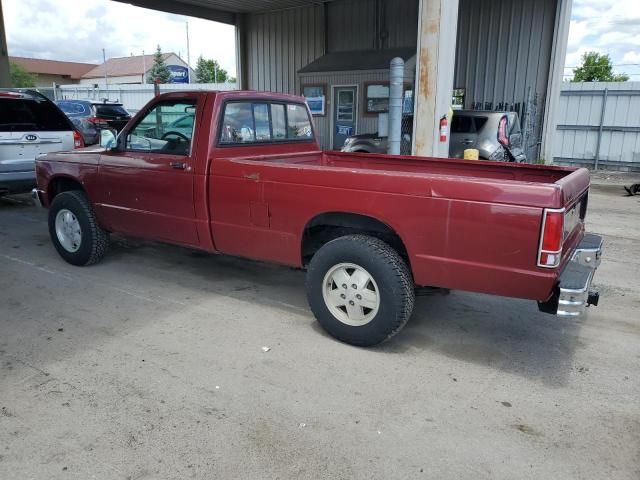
{"x": 395, "y": 105}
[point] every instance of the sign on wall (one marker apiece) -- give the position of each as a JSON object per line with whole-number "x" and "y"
{"x": 179, "y": 74}
{"x": 315, "y": 97}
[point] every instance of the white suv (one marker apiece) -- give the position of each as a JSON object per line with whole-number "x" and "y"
{"x": 30, "y": 124}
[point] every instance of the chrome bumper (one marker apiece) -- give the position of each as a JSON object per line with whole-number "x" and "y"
{"x": 35, "y": 194}
{"x": 574, "y": 294}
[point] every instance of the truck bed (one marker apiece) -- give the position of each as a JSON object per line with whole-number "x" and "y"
{"x": 523, "y": 184}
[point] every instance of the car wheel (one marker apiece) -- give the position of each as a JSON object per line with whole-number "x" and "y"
{"x": 74, "y": 230}
{"x": 360, "y": 290}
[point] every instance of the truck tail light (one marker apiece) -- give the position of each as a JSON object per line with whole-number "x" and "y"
{"x": 77, "y": 140}
{"x": 551, "y": 238}
{"x": 503, "y": 138}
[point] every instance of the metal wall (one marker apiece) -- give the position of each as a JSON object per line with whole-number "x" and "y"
{"x": 282, "y": 42}
{"x": 503, "y": 57}
{"x": 599, "y": 126}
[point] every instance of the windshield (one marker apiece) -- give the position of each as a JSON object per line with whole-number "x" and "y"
{"x": 31, "y": 115}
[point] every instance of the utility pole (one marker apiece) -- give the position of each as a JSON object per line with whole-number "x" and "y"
{"x": 144, "y": 69}
{"x": 5, "y": 76}
{"x": 104, "y": 60}
{"x": 188, "y": 56}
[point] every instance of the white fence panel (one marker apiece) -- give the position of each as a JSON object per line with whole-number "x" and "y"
{"x": 599, "y": 126}
{"x": 133, "y": 97}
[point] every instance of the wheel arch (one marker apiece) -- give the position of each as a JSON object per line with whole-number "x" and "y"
{"x": 328, "y": 226}
{"x": 62, "y": 183}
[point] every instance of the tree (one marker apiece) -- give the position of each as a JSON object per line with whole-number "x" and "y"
{"x": 159, "y": 71}
{"x": 596, "y": 68}
{"x": 20, "y": 78}
{"x": 210, "y": 71}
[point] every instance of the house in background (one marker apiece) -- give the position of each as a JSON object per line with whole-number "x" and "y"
{"x": 133, "y": 70}
{"x": 48, "y": 72}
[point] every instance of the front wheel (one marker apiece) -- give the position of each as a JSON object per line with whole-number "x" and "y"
{"x": 74, "y": 230}
{"x": 360, "y": 290}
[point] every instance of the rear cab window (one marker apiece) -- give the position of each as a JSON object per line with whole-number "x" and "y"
{"x": 247, "y": 122}
{"x": 20, "y": 115}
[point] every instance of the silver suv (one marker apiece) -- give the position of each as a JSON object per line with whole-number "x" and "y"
{"x": 30, "y": 125}
{"x": 496, "y": 135}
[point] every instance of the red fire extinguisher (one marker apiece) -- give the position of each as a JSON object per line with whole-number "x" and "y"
{"x": 444, "y": 128}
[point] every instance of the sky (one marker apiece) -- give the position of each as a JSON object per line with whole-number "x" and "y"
{"x": 609, "y": 27}
{"x": 78, "y": 30}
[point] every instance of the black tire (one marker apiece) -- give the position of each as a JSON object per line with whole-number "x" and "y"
{"x": 387, "y": 269}
{"x": 94, "y": 240}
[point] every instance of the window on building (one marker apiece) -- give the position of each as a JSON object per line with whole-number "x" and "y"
{"x": 457, "y": 100}
{"x": 377, "y": 97}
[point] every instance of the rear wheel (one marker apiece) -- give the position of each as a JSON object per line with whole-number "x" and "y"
{"x": 360, "y": 289}
{"x": 74, "y": 230}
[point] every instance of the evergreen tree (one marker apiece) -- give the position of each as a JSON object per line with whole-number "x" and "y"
{"x": 159, "y": 71}
{"x": 209, "y": 71}
{"x": 202, "y": 71}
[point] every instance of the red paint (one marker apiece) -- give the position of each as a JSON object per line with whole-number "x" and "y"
{"x": 469, "y": 225}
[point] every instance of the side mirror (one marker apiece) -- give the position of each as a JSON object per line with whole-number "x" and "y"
{"x": 107, "y": 139}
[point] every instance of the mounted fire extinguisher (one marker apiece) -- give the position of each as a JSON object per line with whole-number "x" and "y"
{"x": 444, "y": 128}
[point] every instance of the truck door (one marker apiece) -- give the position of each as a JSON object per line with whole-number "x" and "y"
{"x": 146, "y": 184}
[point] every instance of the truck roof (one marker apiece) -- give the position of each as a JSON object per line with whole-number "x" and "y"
{"x": 234, "y": 94}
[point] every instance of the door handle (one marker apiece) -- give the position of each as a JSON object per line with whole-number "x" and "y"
{"x": 177, "y": 165}
{"x": 466, "y": 141}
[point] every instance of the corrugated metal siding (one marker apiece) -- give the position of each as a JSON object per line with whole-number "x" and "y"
{"x": 401, "y": 18}
{"x": 504, "y": 49}
{"x": 620, "y": 141}
{"x": 280, "y": 43}
{"x": 352, "y": 25}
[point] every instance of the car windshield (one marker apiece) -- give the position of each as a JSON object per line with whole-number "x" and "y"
{"x": 31, "y": 115}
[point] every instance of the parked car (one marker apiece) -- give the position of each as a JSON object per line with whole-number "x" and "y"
{"x": 496, "y": 135}
{"x": 90, "y": 117}
{"x": 30, "y": 125}
{"x": 253, "y": 182}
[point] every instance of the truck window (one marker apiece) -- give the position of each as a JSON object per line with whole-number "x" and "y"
{"x": 278, "y": 121}
{"x": 261, "y": 122}
{"x": 164, "y": 129}
{"x": 298, "y": 123}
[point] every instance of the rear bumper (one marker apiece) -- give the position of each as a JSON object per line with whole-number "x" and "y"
{"x": 573, "y": 293}
{"x": 17, "y": 182}
{"x": 37, "y": 198}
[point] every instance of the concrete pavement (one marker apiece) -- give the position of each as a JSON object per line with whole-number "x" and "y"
{"x": 150, "y": 365}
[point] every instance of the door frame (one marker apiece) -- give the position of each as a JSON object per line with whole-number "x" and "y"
{"x": 332, "y": 126}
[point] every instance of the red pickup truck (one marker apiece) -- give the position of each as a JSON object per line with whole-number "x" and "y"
{"x": 241, "y": 173}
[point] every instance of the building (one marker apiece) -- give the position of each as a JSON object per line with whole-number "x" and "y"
{"x": 48, "y": 72}
{"x": 496, "y": 54}
{"x": 135, "y": 70}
